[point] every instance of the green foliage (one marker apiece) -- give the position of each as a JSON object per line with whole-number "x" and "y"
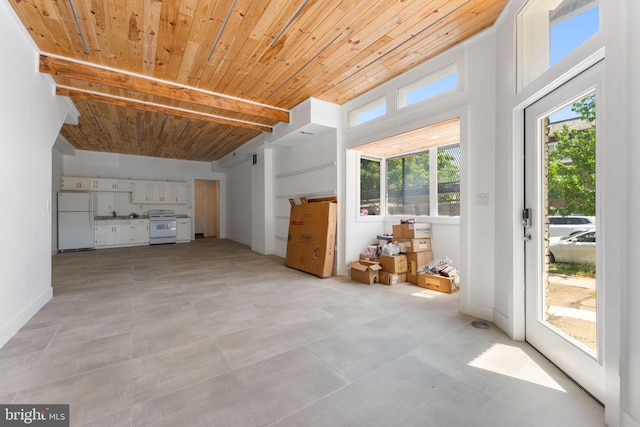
{"x": 572, "y": 164}
{"x": 573, "y": 269}
{"x": 406, "y": 172}
{"x": 369, "y": 175}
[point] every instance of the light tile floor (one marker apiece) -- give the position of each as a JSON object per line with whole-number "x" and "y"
{"x": 212, "y": 334}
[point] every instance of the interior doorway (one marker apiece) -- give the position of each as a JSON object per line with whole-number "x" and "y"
{"x": 206, "y": 208}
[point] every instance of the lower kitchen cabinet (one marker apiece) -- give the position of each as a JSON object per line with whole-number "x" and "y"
{"x": 121, "y": 232}
{"x": 140, "y": 231}
{"x": 183, "y": 230}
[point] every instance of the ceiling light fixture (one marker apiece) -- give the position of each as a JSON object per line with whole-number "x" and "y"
{"x": 295, "y": 15}
{"x": 73, "y": 9}
{"x": 224, "y": 24}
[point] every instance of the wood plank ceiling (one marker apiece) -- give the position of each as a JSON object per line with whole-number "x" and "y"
{"x": 196, "y": 79}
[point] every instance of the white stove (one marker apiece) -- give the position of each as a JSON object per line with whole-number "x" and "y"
{"x": 162, "y": 226}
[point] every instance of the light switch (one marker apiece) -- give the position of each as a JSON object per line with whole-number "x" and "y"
{"x": 482, "y": 199}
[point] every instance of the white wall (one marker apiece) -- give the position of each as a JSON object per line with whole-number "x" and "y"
{"x": 307, "y": 167}
{"x": 110, "y": 165}
{"x": 630, "y": 321}
{"x": 57, "y": 164}
{"x": 238, "y": 203}
{"x": 31, "y": 118}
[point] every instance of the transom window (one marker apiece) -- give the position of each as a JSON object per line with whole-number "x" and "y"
{"x": 549, "y": 30}
{"x": 434, "y": 84}
{"x": 367, "y": 112}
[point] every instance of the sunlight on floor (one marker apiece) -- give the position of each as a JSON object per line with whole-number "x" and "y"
{"x": 514, "y": 362}
{"x": 425, "y": 294}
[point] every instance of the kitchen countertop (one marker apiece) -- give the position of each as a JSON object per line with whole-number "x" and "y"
{"x": 105, "y": 217}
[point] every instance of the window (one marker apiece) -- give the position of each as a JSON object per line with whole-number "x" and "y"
{"x": 369, "y": 187}
{"x": 449, "y": 180}
{"x": 428, "y": 87}
{"x": 369, "y": 111}
{"x": 408, "y": 185}
{"x": 549, "y": 31}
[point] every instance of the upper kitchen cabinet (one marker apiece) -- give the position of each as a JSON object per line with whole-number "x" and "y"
{"x": 78, "y": 183}
{"x": 95, "y": 184}
{"x": 159, "y": 192}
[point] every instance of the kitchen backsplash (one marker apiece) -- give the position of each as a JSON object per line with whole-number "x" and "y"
{"x": 108, "y": 202}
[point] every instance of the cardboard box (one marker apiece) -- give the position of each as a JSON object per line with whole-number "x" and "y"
{"x": 447, "y": 285}
{"x": 398, "y": 231}
{"x": 394, "y": 263}
{"x": 408, "y": 246}
{"x": 365, "y": 272}
{"x": 312, "y": 236}
{"x": 389, "y": 279}
{"x": 414, "y": 262}
{"x": 366, "y": 257}
{"x": 418, "y": 230}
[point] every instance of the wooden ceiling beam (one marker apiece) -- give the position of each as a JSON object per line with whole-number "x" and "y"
{"x": 141, "y": 105}
{"x": 99, "y": 75}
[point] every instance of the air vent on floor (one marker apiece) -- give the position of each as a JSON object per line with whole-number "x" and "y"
{"x": 480, "y": 324}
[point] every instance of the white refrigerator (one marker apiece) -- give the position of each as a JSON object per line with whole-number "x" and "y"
{"x": 75, "y": 221}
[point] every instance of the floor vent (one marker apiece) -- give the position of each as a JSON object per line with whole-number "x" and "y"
{"x": 480, "y": 324}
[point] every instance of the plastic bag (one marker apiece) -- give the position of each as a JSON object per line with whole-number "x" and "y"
{"x": 390, "y": 249}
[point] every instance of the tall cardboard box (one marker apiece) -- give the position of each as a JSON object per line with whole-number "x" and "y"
{"x": 415, "y": 261}
{"x": 312, "y": 236}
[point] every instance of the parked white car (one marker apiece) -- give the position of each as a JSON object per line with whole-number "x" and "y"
{"x": 579, "y": 247}
{"x": 565, "y": 225}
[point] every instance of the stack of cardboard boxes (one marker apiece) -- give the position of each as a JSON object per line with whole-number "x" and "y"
{"x": 414, "y": 240}
{"x": 414, "y": 243}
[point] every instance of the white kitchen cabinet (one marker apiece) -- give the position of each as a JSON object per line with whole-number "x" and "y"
{"x": 77, "y": 183}
{"x": 183, "y": 230}
{"x": 121, "y": 232}
{"x": 104, "y": 184}
{"x": 139, "y": 194}
{"x": 125, "y": 185}
{"x": 159, "y": 192}
{"x": 140, "y": 231}
{"x": 180, "y": 192}
{"x": 106, "y": 235}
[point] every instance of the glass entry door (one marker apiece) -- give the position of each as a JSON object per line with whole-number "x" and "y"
{"x": 564, "y": 319}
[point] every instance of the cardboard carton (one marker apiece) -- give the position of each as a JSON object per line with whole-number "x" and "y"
{"x": 448, "y": 285}
{"x": 365, "y": 271}
{"x": 418, "y": 230}
{"x": 389, "y": 279}
{"x": 415, "y": 261}
{"x": 394, "y": 263}
{"x": 398, "y": 231}
{"x": 312, "y": 236}
{"x": 408, "y": 246}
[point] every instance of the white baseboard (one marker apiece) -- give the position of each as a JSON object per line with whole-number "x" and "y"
{"x": 13, "y": 326}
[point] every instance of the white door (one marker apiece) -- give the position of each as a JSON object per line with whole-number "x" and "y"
{"x": 564, "y": 318}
